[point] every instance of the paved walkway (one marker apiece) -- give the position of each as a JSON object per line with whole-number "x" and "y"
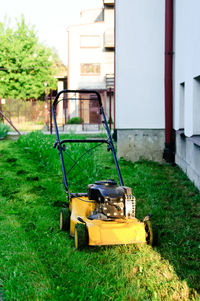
{"x": 61, "y": 132}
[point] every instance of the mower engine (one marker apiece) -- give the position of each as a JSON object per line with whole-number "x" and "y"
{"x": 111, "y": 201}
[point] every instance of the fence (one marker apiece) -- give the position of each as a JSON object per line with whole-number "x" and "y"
{"x": 25, "y": 115}
{"x": 85, "y": 106}
{"x": 36, "y": 115}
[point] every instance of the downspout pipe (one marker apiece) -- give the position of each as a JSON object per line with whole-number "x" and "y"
{"x": 168, "y": 154}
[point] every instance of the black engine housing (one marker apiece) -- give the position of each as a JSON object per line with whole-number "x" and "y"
{"x": 109, "y": 198}
{"x": 105, "y": 189}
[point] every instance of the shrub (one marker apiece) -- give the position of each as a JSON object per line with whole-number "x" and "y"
{"x": 4, "y": 129}
{"x": 111, "y": 120}
{"x": 75, "y": 120}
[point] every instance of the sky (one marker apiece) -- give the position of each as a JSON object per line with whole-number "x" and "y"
{"x": 50, "y": 17}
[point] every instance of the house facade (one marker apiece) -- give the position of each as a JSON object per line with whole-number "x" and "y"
{"x": 152, "y": 117}
{"x": 139, "y": 78}
{"x": 186, "y": 87}
{"x": 91, "y": 60}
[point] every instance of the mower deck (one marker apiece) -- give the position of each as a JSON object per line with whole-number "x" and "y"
{"x": 101, "y": 232}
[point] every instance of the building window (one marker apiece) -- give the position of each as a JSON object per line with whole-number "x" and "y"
{"x": 90, "y": 69}
{"x": 182, "y": 106}
{"x": 196, "y": 106}
{"x": 90, "y": 41}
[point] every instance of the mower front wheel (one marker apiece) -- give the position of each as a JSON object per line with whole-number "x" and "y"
{"x": 64, "y": 219}
{"x": 80, "y": 236}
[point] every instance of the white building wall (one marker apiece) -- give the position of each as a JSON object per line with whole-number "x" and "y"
{"x": 187, "y": 87}
{"x": 88, "y": 51}
{"x": 139, "y": 81}
{"x": 78, "y": 55}
{"x": 187, "y": 66}
{"x": 59, "y": 109}
{"x": 140, "y": 64}
{"x": 139, "y": 78}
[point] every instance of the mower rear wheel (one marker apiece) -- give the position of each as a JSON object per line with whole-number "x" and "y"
{"x": 149, "y": 232}
{"x": 80, "y": 236}
{"x": 64, "y": 219}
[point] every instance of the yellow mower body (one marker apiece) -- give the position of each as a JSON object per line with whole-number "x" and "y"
{"x": 118, "y": 231}
{"x": 105, "y": 215}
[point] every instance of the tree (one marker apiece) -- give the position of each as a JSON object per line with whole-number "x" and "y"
{"x": 61, "y": 69}
{"x": 25, "y": 64}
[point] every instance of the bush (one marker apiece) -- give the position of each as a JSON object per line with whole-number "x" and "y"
{"x": 75, "y": 120}
{"x": 111, "y": 121}
{"x": 4, "y": 129}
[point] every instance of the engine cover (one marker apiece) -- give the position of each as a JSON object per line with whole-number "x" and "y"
{"x": 110, "y": 199}
{"x": 101, "y": 190}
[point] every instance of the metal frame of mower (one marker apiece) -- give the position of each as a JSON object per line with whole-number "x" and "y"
{"x": 75, "y": 218}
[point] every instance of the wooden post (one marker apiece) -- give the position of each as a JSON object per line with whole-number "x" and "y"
{"x": 110, "y": 108}
{"x": 105, "y": 100}
{"x": 51, "y": 124}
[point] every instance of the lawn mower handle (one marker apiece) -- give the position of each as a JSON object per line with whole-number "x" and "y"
{"x": 78, "y": 91}
{"x": 58, "y": 143}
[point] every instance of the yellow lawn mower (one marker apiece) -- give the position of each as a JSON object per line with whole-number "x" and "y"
{"x": 105, "y": 215}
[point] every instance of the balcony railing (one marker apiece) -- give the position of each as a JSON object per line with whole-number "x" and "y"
{"x": 109, "y": 80}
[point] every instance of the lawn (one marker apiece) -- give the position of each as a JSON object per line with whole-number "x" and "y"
{"x": 4, "y": 129}
{"x": 39, "y": 262}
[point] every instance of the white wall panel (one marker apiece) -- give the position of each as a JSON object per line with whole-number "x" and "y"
{"x": 139, "y": 64}
{"x": 187, "y": 62}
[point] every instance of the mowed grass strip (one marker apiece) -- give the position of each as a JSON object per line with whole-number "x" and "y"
{"x": 39, "y": 262}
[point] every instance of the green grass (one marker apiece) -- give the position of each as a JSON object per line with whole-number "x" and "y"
{"x": 4, "y": 129}
{"x": 39, "y": 262}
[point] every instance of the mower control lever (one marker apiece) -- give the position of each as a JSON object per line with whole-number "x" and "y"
{"x": 109, "y": 147}
{"x": 55, "y": 144}
{"x": 81, "y": 220}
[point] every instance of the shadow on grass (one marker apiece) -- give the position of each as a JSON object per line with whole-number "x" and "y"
{"x": 174, "y": 202}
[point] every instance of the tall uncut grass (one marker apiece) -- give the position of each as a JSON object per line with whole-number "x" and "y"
{"x": 89, "y": 167}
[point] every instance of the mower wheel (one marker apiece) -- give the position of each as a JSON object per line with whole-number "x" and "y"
{"x": 80, "y": 236}
{"x": 64, "y": 219}
{"x": 149, "y": 232}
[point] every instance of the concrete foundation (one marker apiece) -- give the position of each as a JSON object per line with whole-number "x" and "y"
{"x": 136, "y": 144}
{"x": 188, "y": 156}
